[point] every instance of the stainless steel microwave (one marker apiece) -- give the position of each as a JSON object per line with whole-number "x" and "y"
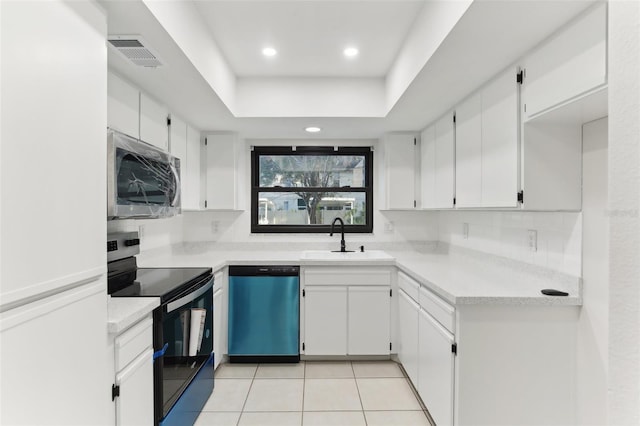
{"x": 143, "y": 181}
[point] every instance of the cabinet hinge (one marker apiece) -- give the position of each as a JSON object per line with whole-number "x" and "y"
{"x": 303, "y": 294}
{"x": 205, "y": 141}
{"x": 115, "y": 391}
{"x": 454, "y": 118}
{"x": 454, "y": 201}
{"x": 168, "y": 121}
{"x": 415, "y": 203}
{"x": 390, "y": 346}
{"x": 390, "y": 292}
{"x": 303, "y": 346}
{"x": 205, "y": 204}
{"x": 415, "y": 141}
{"x": 454, "y": 348}
{"x": 520, "y": 77}
{"x": 521, "y": 197}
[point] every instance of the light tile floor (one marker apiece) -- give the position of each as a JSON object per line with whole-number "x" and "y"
{"x": 314, "y": 393}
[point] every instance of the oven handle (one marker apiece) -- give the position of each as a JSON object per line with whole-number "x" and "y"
{"x": 172, "y": 306}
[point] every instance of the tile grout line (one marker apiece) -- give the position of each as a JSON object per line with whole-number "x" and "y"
{"x": 255, "y": 373}
{"x": 355, "y": 379}
{"x": 304, "y": 385}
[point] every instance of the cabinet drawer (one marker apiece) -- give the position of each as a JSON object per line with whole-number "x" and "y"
{"x": 133, "y": 342}
{"x": 409, "y": 286}
{"x": 438, "y": 308}
{"x": 347, "y": 276}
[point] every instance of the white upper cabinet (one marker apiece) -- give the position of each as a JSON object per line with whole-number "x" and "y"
{"x": 222, "y": 160}
{"x": 400, "y": 170}
{"x": 123, "y": 106}
{"x": 178, "y": 148}
{"x": 191, "y": 198}
{"x": 568, "y": 65}
{"x": 500, "y": 141}
{"x": 469, "y": 152}
{"x": 437, "y": 164}
{"x": 153, "y": 122}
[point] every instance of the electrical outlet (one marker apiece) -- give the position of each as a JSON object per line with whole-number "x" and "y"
{"x": 388, "y": 227}
{"x": 141, "y": 231}
{"x": 465, "y": 231}
{"x": 533, "y": 239}
{"x": 214, "y": 226}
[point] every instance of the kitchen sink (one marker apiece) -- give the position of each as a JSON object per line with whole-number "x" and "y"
{"x": 372, "y": 255}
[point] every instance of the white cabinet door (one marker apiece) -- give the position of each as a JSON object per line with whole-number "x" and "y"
{"x": 325, "y": 320}
{"x": 369, "y": 320}
{"x": 218, "y": 324}
{"x": 445, "y": 162}
{"x": 469, "y": 150}
{"x": 178, "y": 147}
{"x": 400, "y": 170}
{"x": 408, "y": 311}
{"x": 500, "y": 141}
{"x": 428, "y": 167}
{"x": 436, "y": 369}
{"x": 191, "y": 174}
{"x": 222, "y": 161}
{"x": 153, "y": 122}
{"x": 123, "y": 106}
{"x": 571, "y": 63}
{"x": 134, "y": 406}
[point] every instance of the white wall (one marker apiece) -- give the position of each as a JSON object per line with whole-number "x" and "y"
{"x": 506, "y": 234}
{"x": 623, "y": 210}
{"x": 154, "y": 233}
{"x": 593, "y": 330}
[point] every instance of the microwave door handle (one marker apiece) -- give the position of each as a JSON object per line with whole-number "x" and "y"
{"x": 176, "y": 304}
{"x": 176, "y": 177}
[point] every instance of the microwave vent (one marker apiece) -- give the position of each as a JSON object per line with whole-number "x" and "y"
{"x": 135, "y": 50}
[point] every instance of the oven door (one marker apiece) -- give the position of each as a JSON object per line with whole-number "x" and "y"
{"x": 142, "y": 181}
{"x": 183, "y": 344}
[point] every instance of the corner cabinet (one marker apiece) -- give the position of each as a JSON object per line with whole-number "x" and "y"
{"x": 400, "y": 152}
{"x": 222, "y": 156}
{"x": 346, "y": 310}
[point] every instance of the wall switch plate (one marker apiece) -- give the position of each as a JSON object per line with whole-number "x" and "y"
{"x": 465, "y": 231}
{"x": 533, "y": 239}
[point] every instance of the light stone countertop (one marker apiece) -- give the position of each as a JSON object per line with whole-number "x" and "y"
{"x": 123, "y": 312}
{"x": 460, "y": 278}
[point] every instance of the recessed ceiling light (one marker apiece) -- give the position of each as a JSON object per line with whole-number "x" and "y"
{"x": 269, "y": 51}
{"x": 312, "y": 129}
{"x": 350, "y": 52}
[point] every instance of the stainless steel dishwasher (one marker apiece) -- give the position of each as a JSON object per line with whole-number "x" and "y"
{"x": 264, "y": 313}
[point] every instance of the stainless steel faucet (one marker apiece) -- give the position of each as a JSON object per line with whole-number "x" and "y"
{"x": 342, "y": 244}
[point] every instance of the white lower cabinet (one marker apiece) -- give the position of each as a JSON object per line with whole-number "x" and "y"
{"x": 368, "y": 325}
{"x": 436, "y": 368}
{"x": 133, "y": 388}
{"x": 325, "y": 320}
{"x": 346, "y": 311}
{"x": 408, "y": 311}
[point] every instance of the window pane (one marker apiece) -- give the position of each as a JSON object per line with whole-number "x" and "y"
{"x": 311, "y": 208}
{"x": 293, "y": 171}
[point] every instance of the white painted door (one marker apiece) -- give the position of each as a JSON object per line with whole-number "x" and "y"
{"x": 369, "y": 320}
{"x": 445, "y": 162}
{"x": 571, "y": 63}
{"x": 325, "y": 320}
{"x": 222, "y": 159}
{"x": 408, "y": 311}
{"x": 469, "y": 150}
{"x": 217, "y": 325}
{"x": 435, "y": 369}
{"x": 134, "y": 406}
{"x": 400, "y": 158}
{"x": 123, "y": 106}
{"x": 500, "y": 141}
{"x": 191, "y": 174}
{"x": 153, "y": 122}
{"x": 428, "y": 167}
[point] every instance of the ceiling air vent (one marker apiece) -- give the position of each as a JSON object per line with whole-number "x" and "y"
{"x": 133, "y": 48}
